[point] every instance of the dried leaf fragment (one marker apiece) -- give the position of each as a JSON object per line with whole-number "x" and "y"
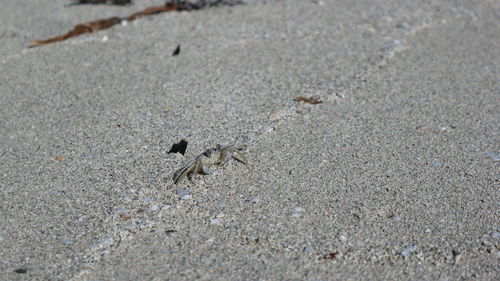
{"x": 311, "y": 100}
{"x": 81, "y": 29}
{"x": 179, "y": 147}
{"x": 59, "y": 158}
{"x": 177, "y": 51}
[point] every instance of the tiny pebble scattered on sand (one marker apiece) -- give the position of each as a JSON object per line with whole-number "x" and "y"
{"x": 437, "y": 163}
{"x": 308, "y": 250}
{"x": 494, "y": 156}
{"x": 408, "y": 250}
{"x": 255, "y": 199}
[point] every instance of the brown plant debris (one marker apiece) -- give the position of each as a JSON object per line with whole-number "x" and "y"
{"x": 179, "y": 147}
{"x": 171, "y": 5}
{"x": 125, "y": 216}
{"x": 112, "y": 2}
{"x": 80, "y": 29}
{"x": 310, "y": 100}
{"x": 59, "y": 158}
{"x": 330, "y": 256}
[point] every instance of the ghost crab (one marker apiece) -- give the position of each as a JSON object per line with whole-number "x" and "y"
{"x": 202, "y": 164}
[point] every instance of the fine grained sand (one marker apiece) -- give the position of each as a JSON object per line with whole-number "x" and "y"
{"x": 394, "y": 176}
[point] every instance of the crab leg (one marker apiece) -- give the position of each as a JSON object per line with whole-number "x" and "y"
{"x": 183, "y": 172}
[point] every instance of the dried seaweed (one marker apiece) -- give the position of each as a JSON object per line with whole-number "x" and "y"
{"x": 310, "y": 100}
{"x": 179, "y": 147}
{"x": 111, "y": 2}
{"x": 175, "y": 5}
{"x": 80, "y": 29}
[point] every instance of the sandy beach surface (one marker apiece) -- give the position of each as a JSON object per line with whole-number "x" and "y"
{"x": 394, "y": 176}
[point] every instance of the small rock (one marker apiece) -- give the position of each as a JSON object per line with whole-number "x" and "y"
{"x": 154, "y": 208}
{"x": 457, "y": 257}
{"x": 295, "y": 214}
{"x": 21, "y": 270}
{"x": 437, "y": 163}
{"x": 67, "y": 242}
{"x": 495, "y": 235}
{"x": 408, "y": 250}
{"x": 255, "y": 199}
{"x": 298, "y": 209}
{"x": 185, "y": 196}
{"x": 125, "y": 216}
{"x": 183, "y": 191}
{"x": 487, "y": 243}
{"x": 214, "y": 221}
{"x": 494, "y": 156}
{"x": 308, "y": 250}
{"x": 342, "y": 238}
{"x": 105, "y": 38}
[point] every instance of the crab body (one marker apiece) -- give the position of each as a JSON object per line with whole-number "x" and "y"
{"x": 218, "y": 156}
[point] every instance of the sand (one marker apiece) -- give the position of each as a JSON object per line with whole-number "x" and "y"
{"x": 393, "y": 177}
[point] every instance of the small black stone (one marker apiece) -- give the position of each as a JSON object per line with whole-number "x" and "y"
{"x": 177, "y": 51}
{"x": 21, "y": 270}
